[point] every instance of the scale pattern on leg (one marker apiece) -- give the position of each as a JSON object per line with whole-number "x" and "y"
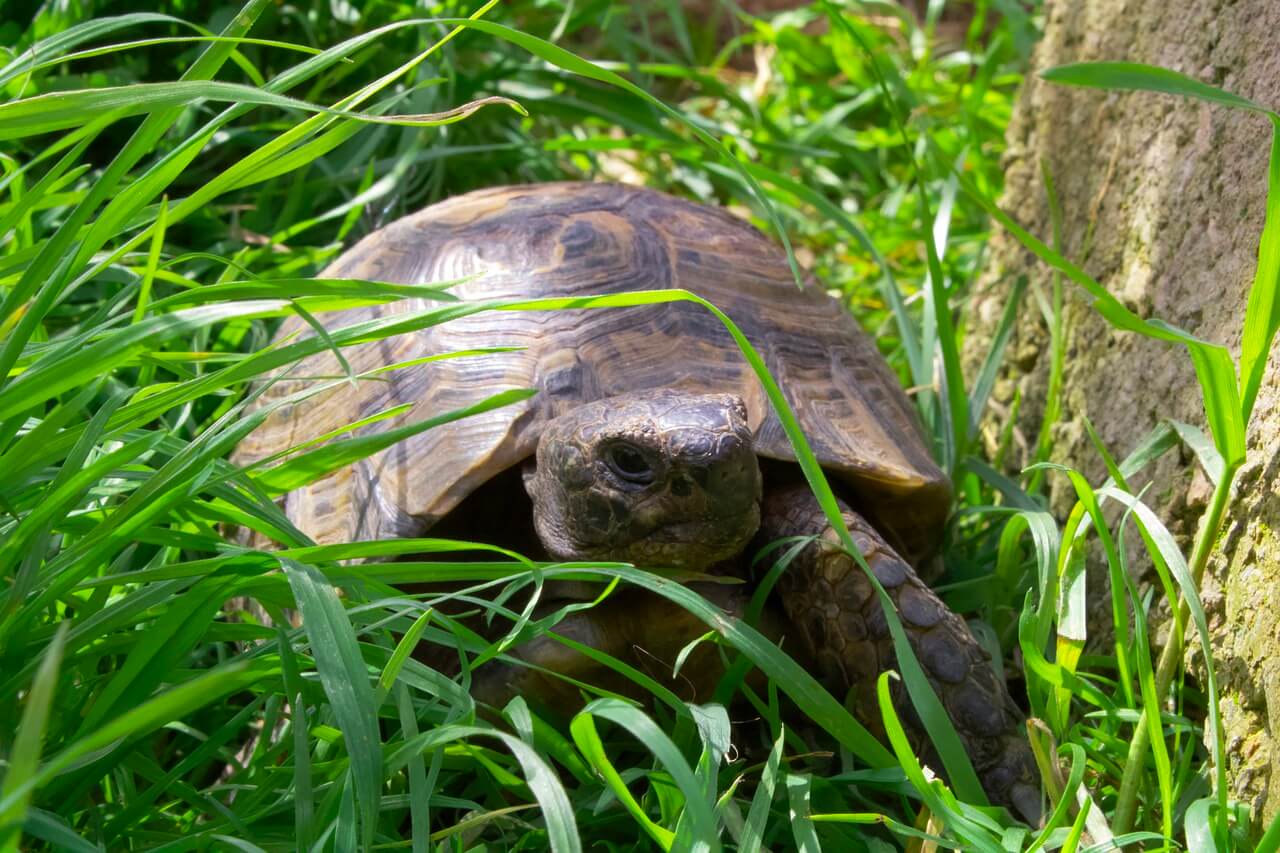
{"x": 831, "y": 603}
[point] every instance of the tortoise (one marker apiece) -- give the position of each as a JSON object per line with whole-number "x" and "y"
{"x": 649, "y": 440}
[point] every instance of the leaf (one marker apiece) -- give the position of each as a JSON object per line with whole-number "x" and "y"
{"x": 994, "y": 359}
{"x": 345, "y": 679}
{"x": 60, "y": 42}
{"x": 304, "y": 792}
{"x": 1213, "y": 364}
{"x": 52, "y": 376}
{"x": 802, "y": 829}
{"x": 701, "y": 819}
{"x": 1062, "y": 810}
{"x": 1117, "y": 571}
{"x": 173, "y": 704}
{"x": 1217, "y": 374}
{"x": 1151, "y": 705}
{"x": 762, "y": 801}
{"x": 716, "y": 734}
{"x": 338, "y": 292}
{"x": 314, "y": 464}
{"x": 61, "y": 110}
{"x": 1202, "y": 446}
{"x": 934, "y": 793}
{"x": 403, "y": 649}
{"x": 90, "y": 53}
{"x": 1162, "y": 540}
{"x": 29, "y": 739}
{"x": 1198, "y": 824}
{"x": 419, "y": 786}
{"x": 1262, "y": 316}
{"x": 1135, "y": 76}
{"x": 1270, "y": 841}
{"x": 51, "y": 828}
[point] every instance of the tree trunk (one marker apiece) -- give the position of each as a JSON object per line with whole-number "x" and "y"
{"x": 1163, "y": 202}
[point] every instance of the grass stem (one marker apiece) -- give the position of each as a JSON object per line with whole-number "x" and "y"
{"x": 1171, "y": 655}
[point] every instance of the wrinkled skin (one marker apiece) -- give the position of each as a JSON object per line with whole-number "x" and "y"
{"x": 671, "y": 479}
{"x": 656, "y": 479}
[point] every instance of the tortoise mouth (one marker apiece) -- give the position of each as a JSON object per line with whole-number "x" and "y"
{"x": 686, "y": 544}
{"x": 707, "y": 532}
{"x": 678, "y": 531}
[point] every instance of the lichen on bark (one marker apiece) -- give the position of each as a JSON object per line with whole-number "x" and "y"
{"x": 1163, "y": 202}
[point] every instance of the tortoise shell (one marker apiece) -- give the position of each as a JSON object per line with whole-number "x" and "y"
{"x": 579, "y": 239}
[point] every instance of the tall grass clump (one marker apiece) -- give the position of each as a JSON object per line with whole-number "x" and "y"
{"x": 1148, "y": 767}
{"x": 172, "y": 181}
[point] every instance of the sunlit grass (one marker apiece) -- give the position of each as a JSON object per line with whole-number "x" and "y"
{"x": 151, "y": 237}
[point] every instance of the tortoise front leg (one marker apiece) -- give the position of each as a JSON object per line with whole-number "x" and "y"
{"x": 831, "y": 603}
{"x": 638, "y": 627}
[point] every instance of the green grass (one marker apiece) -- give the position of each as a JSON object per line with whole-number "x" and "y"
{"x": 151, "y": 237}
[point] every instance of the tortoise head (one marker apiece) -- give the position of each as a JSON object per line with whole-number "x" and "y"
{"x": 658, "y": 478}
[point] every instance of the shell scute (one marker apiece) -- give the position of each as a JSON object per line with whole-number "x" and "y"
{"x": 567, "y": 240}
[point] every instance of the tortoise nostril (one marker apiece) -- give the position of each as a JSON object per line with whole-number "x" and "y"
{"x": 727, "y": 472}
{"x": 681, "y": 486}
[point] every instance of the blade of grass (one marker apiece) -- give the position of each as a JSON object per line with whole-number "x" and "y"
{"x": 49, "y": 827}
{"x": 802, "y": 829}
{"x": 345, "y": 678}
{"x": 995, "y": 357}
{"x": 945, "y": 339}
{"x": 1136, "y": 76}
{"x": 303, "y": 791}
{"x": 314, "y": 464}
{"x": 1262, "y": 316}
{"x": 60, "y": 110}
{"x": 57, "y": 44}
{"x": 702, "y": 822}
{"x": 1228, "y": 406}
{"x": 934, "y": 793}
{"x": 562, "y": 828}
{"x": 762, "y": 801}
{"x": 47, "y": 273}
{"x": 28, "y": 741}
{"x": 170, "y": 705}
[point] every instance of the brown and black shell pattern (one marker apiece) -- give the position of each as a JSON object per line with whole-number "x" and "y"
{"x": 579, "y": 239}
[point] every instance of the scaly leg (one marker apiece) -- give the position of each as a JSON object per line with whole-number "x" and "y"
{"x": 832, "y": 605}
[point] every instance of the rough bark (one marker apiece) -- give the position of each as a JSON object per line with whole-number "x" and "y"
{"x": 1163, "y": 203}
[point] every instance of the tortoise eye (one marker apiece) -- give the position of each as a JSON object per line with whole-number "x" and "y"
{"x": 629, "y": 463}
